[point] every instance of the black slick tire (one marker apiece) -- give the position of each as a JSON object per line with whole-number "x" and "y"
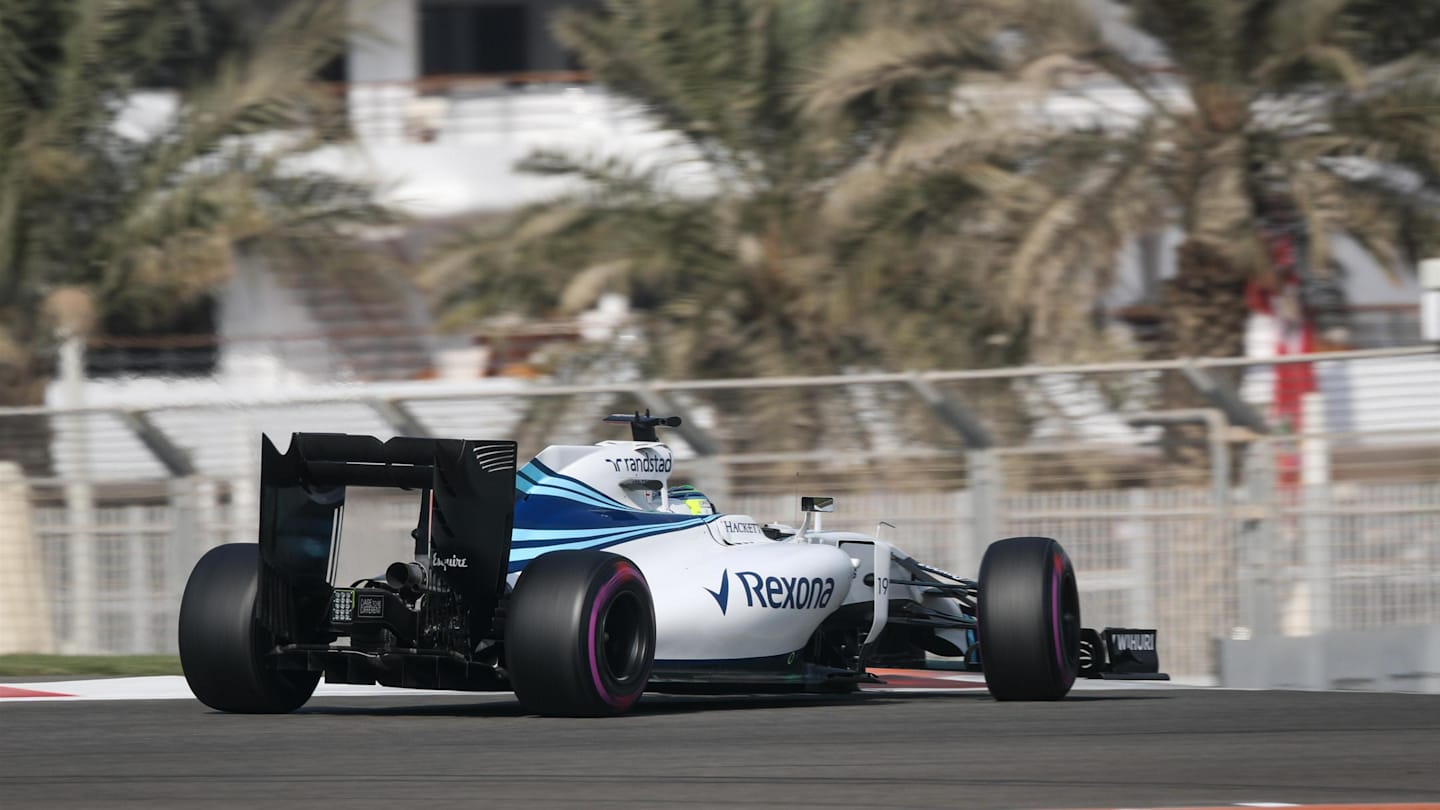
{"x": 580, "y": 634}
{"x": 222, "y": 649}
{"x": 1029, "y": 615}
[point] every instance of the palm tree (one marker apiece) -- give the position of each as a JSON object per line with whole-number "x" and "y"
{"x": 1241, "y": 112}
{"x": 735, "y": 248}
{"x": 101, "y": 221}
{"x": 726, "y": 262}
{"x": 745, "y": 265}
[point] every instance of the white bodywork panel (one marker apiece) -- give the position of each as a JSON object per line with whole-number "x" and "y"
{"x": 722, "y": 589}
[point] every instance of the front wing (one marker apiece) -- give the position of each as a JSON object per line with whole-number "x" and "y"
{"x": 1120, "y": 653}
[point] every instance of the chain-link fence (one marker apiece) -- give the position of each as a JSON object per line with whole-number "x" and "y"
{"x": 1202, "y": 517}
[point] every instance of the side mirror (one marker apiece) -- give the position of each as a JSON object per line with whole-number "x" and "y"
{"x": 811, "y": 503}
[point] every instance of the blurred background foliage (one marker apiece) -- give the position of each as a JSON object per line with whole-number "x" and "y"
{"x": 878, "y": 185}
{"x": 127, "y": 208}
{"x": 852, "y": 185}
{"x": 742, "y": 264}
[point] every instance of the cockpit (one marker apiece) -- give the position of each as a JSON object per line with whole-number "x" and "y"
{"x": 652, "y": 496}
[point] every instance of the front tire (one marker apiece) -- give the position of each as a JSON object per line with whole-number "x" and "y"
{"x": 222, "y": 648}
{"x": 580, "y": 634}
{"x": 1029, "y": 616}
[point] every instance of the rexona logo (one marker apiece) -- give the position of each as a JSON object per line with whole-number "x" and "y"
{"x": 785, "y": 593}
{"x": 777, "y": 593}
{"x": 722, "y": 596}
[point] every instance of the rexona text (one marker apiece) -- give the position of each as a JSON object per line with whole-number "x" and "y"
{"x": 785, "y": 593}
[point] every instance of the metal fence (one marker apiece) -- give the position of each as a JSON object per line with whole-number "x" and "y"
{"x": 1208, "y": 521}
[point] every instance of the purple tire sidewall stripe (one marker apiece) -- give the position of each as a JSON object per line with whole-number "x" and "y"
{"x": 622, "y": 575}
{"x": 1055, "y": 574}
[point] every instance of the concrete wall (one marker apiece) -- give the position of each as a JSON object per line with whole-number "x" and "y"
{"x": 1388, "y": 659}
{"x": 24, "y": 606}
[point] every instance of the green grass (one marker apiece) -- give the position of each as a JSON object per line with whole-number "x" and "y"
{"x": 12, "y": 666}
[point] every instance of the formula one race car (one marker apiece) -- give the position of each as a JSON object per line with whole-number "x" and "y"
{"x": 583, "y": 580}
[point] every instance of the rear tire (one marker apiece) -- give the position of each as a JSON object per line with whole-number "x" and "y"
{"x": 1029, "y": 615}
{"x": 580, "y": 634}
{"x": 223, "y": 650}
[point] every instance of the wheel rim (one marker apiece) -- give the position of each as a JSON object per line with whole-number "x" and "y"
{"x": 622, "y": 639}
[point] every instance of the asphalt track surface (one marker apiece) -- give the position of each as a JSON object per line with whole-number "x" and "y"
{"x": 955, "y": 749}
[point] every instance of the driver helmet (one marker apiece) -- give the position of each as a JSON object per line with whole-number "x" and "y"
{"x": 687, "y": 500}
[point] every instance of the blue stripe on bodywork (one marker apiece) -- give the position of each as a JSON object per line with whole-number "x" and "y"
{"x": 536, "y": 475}
{"x": 519, "y": 557}
{"x": 535, "y": 538}
{"x": 559, "y": 512}
{"x": 538, "y": 490}
{"x": 556, "y": 513}
{"x": 531, "y": 480}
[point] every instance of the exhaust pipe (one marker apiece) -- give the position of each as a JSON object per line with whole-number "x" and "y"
{"x": 406, "y": 577}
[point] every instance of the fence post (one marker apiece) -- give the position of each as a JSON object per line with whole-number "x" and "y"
{"x": 79, "y": 504}
{"x": 1315, "y": 494}
{"x": 1140, "y": 548}
{"x": 963, "y": 555}
{"x": 244, "y": 513}
{"x": 139, "y": 599}
{"x": 985, "y": 494}
{"x": 1254, "y": 577}
{"x": 81, "y": 551}
{"x": 187, "y": 532}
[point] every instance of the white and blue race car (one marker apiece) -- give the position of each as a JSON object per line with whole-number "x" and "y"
{"x": 583, "y": 579}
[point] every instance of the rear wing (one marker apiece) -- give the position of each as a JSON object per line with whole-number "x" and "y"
{"x": 466, "y": 494}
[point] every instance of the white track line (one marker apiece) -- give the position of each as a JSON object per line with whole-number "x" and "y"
{"x": 170, "y": 687}
{"x": 173, "y": 687}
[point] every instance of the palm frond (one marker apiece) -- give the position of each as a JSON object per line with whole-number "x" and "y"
{"x": 158, "y": 215}
{"x": 879, "y": 66}
{"x": 1306, "y": 38}
{"x": 269, "y": 90}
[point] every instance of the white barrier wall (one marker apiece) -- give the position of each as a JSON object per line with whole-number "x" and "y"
{"x": 1380, "y": 659}
{"x": 24, "y": 606}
